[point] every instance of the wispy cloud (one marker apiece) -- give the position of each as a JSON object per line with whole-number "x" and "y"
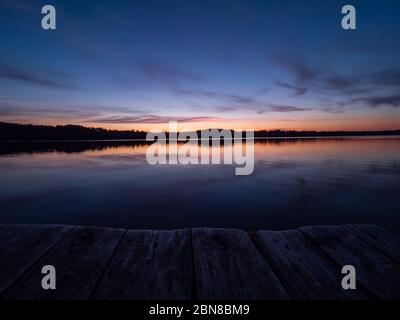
{"x": 283, "y": 108}
{"x": 13, "y": 110}
{"x": 387, "y": 77}
{"x": 353, "y": 87}
{"x": 233, "y": 102}
{"x": 163, "y": 73}
{"x": 34, "y": 75}
{"x": 152, "y": 119}
{"x": 215, "y": 95}
{"x": 299, "y": 70}
{"x": 306, "y": 78}
{"x": 378, "y": 101}
{"x": 338, "y": 108}
{"x": 335, "y": 82}
{"x": 298, "y": 91}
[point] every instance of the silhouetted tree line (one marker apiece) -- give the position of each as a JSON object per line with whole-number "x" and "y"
{"x": 294, "y": 133}
{"x": 14, "y": 131}
{"x": 31, "y": 147}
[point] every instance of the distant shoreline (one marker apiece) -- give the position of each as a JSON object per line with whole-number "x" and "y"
{"x": 13, "y": 132}
{"x": 145, "y": 141}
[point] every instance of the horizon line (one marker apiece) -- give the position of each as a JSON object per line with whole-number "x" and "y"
{"x": 210, "y": 128}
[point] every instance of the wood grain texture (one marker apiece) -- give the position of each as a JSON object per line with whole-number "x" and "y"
{"x": 376, "y": 273}
{"x": 150, "y": 265}
{"x": 80, "y": 259}
{"x": 228, "y": 266}
{"x": 23, "y": 245}
{"x": 304, "y": 269}
{"x": 202, "y": 263}
{"x": 382, "y": 240}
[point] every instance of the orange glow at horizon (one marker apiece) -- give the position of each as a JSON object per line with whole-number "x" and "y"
{"x": 317, "y": 124}
{"x": 299, "y": 125}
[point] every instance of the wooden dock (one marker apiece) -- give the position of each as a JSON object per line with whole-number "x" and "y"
{"x": 103, "y": 263}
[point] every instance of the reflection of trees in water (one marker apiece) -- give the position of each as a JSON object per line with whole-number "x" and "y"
{"x": 286, "y": 141}
{"x": 18, "y": 147}
{"x": 65, "y": 146}
{"x": 302, "y": 140}
{"x": 30, "y": 147}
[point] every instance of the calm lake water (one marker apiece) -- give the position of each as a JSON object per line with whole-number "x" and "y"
{"x": 296, "y": 182}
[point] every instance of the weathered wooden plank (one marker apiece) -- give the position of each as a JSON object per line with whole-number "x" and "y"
{"x": 150, "y": 265}
{"x": 80, "y": 259}
{"x": 375, "y": 272}
{"x": 382, "y": 240}
{"x": 302, "y": 267}
{"x": 23, "y": 245}
{"x": 114, "y": 264}
{"x": 228, "y": 266}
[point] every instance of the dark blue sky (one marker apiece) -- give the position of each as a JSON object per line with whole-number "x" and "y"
{"x": 242, "y": 64}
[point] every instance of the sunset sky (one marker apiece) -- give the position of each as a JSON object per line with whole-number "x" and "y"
{"x": 223, "y": 64}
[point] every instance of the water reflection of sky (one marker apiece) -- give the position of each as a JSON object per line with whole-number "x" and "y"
{"x": 295, "y": 183}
